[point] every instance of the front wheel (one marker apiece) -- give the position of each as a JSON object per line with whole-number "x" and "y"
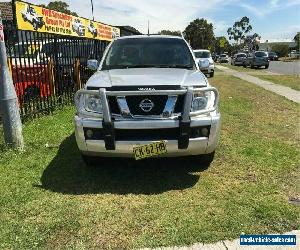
{"x": 244, "y": 65}
{"x": 211, "y": 74}
{"x": 267, "y": 66}
{"x": 205, "y": 159}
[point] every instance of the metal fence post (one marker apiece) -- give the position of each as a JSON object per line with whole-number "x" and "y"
{"x": 9, "y": 107}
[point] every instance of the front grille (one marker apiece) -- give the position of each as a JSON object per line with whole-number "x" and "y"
{"x": 159, "y": 102}
{"x": 133, "y": 102}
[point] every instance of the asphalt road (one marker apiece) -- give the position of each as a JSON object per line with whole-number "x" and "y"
{"x": 285, "y": 67}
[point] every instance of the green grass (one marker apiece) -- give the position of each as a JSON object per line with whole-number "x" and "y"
{"x": 50, "y": 200}
{"x": 291, "y": 81}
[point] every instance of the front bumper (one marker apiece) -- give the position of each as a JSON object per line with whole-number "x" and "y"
{"x": 238, "y": 62}
{"x": 184, "y": 129}
{"x": 208, "y": 70}
{"x": 197, "y": 146}
{"x": 259, "y": 64}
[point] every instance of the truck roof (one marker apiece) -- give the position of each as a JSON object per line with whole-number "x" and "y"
{"x": 148, "y": 36}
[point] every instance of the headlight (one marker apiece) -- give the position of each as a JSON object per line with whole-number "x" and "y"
{"x": 203, "y": 100}
{"x": 199, "y": 103}
{"x": 93, "y": 104}
{"x": 211, "y": 63}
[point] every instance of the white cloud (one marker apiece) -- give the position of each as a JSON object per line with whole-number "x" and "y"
{"x": 264, "y": 8}
{"x": 283, "y": 33}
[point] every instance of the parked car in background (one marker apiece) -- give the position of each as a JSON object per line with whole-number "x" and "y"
{"x": 214, "y": 57}
{"x": 257, "y": 59}
{"x": 205, "y": 61}
{"x": 238, "y": 59}
{"x": 224, "y": 58}
{"x": 31, "y": 64}
{"x": 294, "y": 54}
{"x": 273, "y": 56}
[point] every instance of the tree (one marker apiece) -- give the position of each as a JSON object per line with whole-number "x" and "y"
{"x": 170, "y": 33}
{"x": 60, "y": 6}
{"x": 239, "y": 30}
{"x": 297, "y": 41}
{"x": 221, "y": 45}
{"x": 280, "y": 49}
{"x": 200, "y": 34}
{"x": 251, "y": 41}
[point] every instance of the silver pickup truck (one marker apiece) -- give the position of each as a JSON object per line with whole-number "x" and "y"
{"x": 147, "y": 98}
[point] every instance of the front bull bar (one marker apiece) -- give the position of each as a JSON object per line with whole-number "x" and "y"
{"x": 108, "y": 124}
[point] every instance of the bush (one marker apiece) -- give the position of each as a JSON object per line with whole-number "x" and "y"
{"x": 281, "y": 49}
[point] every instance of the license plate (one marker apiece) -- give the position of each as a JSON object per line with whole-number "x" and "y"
{"x": 148, "y": 150}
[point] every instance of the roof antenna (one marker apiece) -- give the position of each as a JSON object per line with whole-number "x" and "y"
{"x": 148, "y": 29}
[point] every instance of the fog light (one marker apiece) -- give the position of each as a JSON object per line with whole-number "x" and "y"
{"x": 204, "y": 131}
{"x": 89, "y": 133}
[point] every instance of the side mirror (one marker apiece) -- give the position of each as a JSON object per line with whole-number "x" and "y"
{"x": 92, "y": 64}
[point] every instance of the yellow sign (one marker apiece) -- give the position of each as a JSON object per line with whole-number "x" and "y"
{"x": 36, "y": 18}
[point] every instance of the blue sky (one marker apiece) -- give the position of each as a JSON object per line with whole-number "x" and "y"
{"x": 272, "y": 19}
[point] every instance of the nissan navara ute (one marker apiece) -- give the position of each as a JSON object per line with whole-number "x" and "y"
{"x": 147, "y": 98}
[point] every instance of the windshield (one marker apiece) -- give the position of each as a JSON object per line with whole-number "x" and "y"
{"x": 202, "y": 54}
{"x": 223, "y": 55}
{"x": 147, "y": 53}
{"x": 241, "y": 55}
{"x": 260, "y": 54}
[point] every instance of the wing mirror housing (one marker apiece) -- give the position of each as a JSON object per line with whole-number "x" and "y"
{"x": 92, "y": 64}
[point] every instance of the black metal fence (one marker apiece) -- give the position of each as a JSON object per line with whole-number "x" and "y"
{"x": 47, "y": 69}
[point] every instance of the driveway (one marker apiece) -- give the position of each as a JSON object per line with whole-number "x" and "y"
{"x": 285, "y": 67}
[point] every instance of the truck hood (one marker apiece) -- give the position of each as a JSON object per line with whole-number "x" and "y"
{"x": 147, "y": 77}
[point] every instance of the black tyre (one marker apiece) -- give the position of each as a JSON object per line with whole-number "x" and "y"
{"x": 267, "y": 66}
{"x": 252, "y": 66}
{"x": 244, "y": 65}
{"x": 212, "y": 74}
{"x": 206, "y": 159}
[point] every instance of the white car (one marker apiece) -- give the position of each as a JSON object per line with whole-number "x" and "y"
{"x": 205, "y": 61}
{"x": 78, "y": 27}
{"x": 147, "y": 98}
{"x": 30, "y": 15}
{"x": 224, "y": 58}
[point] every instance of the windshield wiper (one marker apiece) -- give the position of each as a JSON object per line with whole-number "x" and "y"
{"x": 181, "y": 66}
{"x": 160, "y": 66}
{"x": 120, "y": 66}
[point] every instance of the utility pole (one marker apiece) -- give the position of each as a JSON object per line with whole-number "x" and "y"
{"x": 9, "y": 107}
{"x": 92, "y": 5}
